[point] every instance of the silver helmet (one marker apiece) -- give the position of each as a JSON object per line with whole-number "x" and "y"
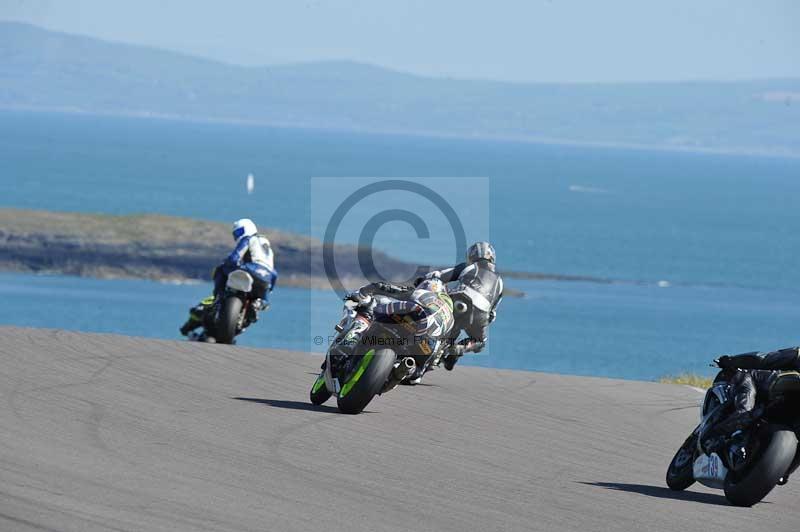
{"x": 481, "y": 251}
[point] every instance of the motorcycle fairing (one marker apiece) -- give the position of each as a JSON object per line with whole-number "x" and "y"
{"x": 709, "y": 471}
{"x": 240, "y": 281}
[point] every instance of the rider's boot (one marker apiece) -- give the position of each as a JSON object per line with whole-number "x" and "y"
{"x": 450, "y": 361}
{"x": 737, "y": 450}
{"x": 192, "y": 323}
{"x": 256, "y": 306}
{"x": 196, "y": 315}
{"x": 452, "y": 356}
{"x": 260, "y": 304}
{"x": 188, "y": 327}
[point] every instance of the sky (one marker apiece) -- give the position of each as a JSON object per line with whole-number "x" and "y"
{"x": 514, "y": 40}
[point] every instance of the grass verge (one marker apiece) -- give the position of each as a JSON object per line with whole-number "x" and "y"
{"x": 689, "y": 379}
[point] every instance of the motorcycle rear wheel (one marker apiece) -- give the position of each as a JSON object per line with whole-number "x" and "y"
{"x": 767, "y": 470}
{"x": 229, "y": 316}
{"x": 374, "y": 369}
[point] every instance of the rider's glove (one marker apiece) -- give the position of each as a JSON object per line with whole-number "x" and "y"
{"x": 362, "y": 300}
{"x": 389, "y": 288}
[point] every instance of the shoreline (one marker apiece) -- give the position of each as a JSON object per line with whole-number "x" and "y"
{"x": 523, "y": 139}
{"x": 137, "y": 247}
{"x": 284, "y": 281}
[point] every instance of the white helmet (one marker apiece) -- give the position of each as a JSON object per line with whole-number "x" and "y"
{"x": 242, "y": 228}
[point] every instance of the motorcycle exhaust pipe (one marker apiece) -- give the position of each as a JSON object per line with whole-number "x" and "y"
{"x": 460, "y": 307}
{"x": 407, "y": 366}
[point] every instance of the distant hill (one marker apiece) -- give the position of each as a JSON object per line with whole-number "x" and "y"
{"x": 46, "y": 70}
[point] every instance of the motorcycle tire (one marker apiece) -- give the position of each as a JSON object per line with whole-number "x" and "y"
{"x": 680, "y": 473}
{"x": 372, "y": 371}
{"x": 229, "y": 316}
{"x": 319, "y": 392}
{"x": 768, "y": 469}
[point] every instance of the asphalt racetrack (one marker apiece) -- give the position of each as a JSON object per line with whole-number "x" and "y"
{"x": 103, "y": 432}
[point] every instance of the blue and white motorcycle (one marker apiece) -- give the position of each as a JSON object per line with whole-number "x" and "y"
{"x": 232, "y": 312}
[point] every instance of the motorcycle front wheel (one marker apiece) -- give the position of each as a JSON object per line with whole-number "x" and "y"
{"x": 763, "y": 475}
{"x": 229, "y": 316}
{"x": 680, "y": 473}
{"x": 319, "y": 392}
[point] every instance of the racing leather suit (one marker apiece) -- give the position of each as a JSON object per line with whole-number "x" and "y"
{"x": 430, "y": 314}
{"x": 426, "y": 315}
{"x": 752, "y": 374}
{"x": 481, "y": 287}
{"x": 254, "y": 255}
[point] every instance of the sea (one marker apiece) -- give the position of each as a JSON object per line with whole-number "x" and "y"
{"x": 691, "y": 255}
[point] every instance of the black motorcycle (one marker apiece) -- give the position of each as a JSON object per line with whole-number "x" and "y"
{"x": 770, "y": 444}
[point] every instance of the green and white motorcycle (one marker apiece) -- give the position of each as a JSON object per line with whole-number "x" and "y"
{"x": 369, "y": 358}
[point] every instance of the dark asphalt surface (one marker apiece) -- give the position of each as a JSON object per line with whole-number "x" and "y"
{"x": 103, "y": 432}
